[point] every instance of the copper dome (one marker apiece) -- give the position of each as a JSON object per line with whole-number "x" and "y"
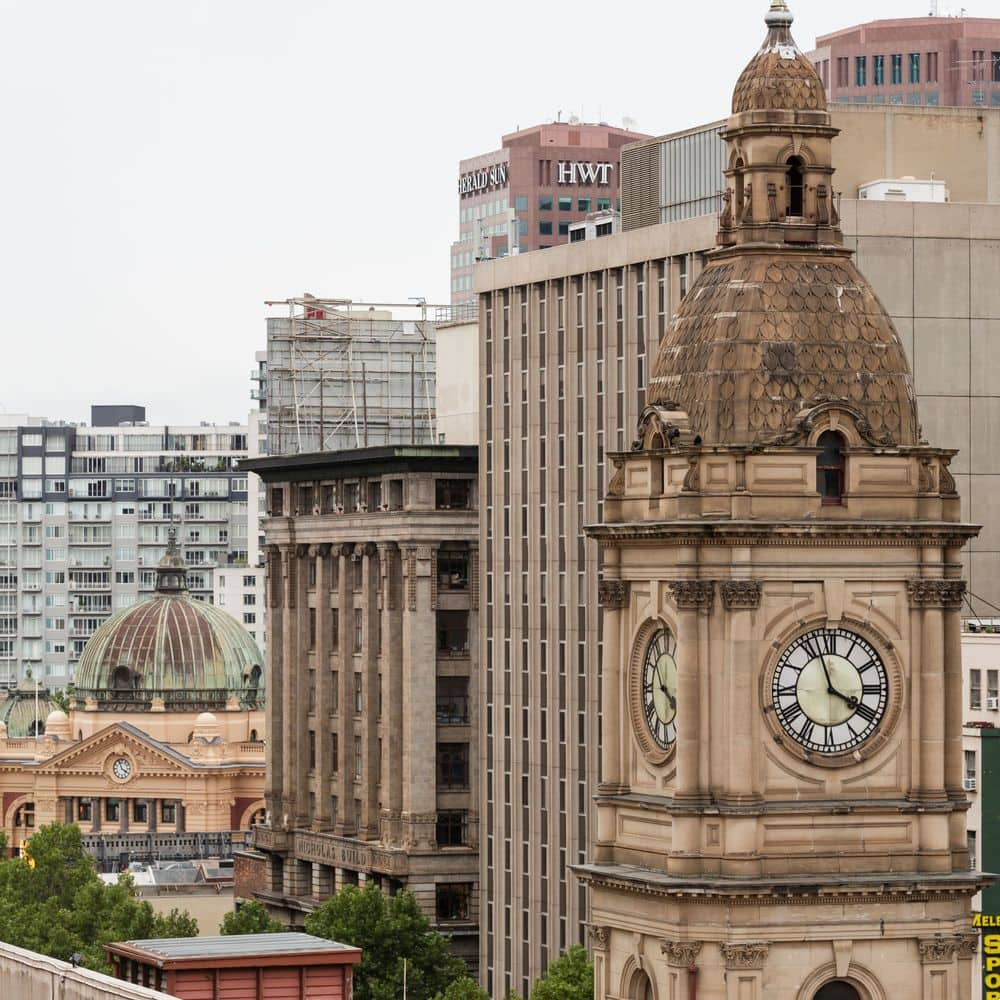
{"x": 171, "y": 647}
{"x": 762, "y": 335}
{"x": 779, "y": 77}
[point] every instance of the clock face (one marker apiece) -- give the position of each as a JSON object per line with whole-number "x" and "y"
{"x": 121, "y": 768}
{"x": 659, "y": 689}
{"x": 830, "y": 690}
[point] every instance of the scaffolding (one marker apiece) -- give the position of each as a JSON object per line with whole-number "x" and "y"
{"x": 344, "y": 374}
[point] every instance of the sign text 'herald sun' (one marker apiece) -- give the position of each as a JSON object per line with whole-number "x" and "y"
{"x": 571, "y": 172}
{"x": 483, "y": 180}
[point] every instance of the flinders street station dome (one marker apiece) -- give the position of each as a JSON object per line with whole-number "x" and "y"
{"x": 780, "y": 320}
{"x": 171, "y": 652}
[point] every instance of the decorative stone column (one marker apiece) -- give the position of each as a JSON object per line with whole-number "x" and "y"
{"x": 323, "y": 673}
{"x": 299, "y": 667}
{"x": 693, "y": 597}
{"x": 288, "y": 656}
{"x": 944, "y": 961}
{"x": 744, "y": 969}
{"x": 370, "y": 672}
{"x": 344, "y": 723}
{"x": 681, "y": 957}
{"x": 613, "y": 598}
{"x": 600, "y": 938}
{"x": 419, "y": 732}
{"x": 392, "y": 693}
{"x": 274, "y": 718}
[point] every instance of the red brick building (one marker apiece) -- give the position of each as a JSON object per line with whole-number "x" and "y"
{"x": 929, "y": 61}
{"x": 240, "y": 966}
{"x": 526, "y": 193}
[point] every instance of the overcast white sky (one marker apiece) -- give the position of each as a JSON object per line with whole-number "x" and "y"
{"x": 167, "y": 167}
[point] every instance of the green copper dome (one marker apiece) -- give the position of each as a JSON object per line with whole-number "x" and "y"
{"x": 22, "y": 715}
{"x": 173, "y": 648}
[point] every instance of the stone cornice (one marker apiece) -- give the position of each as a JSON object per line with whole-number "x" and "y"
{"x": 800, "y": 891}
{"x": 785, "y": 534}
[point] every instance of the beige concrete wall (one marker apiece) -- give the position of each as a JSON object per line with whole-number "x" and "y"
{"x": 26, "y": 975}
{"x": 457, "y": 397}
{"x": 960, "y": 146}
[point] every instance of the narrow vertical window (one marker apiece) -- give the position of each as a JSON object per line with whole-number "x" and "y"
{"x": 830, "y": 468}
{"x": 794, "y": 185}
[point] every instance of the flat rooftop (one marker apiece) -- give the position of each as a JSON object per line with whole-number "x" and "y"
{"x": 223, "y": 946}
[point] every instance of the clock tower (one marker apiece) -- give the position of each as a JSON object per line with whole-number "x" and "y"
{"x": 781, "y": 810}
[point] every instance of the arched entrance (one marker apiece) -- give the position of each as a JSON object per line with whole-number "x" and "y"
{"x": 838, "y": 991}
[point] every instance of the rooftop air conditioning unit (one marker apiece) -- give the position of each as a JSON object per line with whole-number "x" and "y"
{"x": 970, "y": 784}
{"x": 992, "y": 704}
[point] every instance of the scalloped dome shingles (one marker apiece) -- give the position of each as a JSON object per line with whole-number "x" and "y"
{"x": 761, "y": 336}
{"x": 173, "y": 643}
{"x": 772, "y": 82}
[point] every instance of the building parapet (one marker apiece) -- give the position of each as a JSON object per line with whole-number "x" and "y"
{"x": 30, "y": 976}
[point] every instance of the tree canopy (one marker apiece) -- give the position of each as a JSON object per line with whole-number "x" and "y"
{"x": 251, "y": 918}
{"x": 52, "y": 901}
{"x": 465, "y": 988}
{"x": 388, "y": 930}
{"x": 569, "y": 977}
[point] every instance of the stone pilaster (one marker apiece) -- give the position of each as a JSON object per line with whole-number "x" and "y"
{"x": 392, "y": 692}
{"x": 299, "y": 667}
{"x": 322, "y": 820}
{"x": 274, "y": 718}
{"x": 419, "y": 740}
{"x": 612, "y": 596}
{"x": 370, "y": 670}
{"x": 344, "y": 716}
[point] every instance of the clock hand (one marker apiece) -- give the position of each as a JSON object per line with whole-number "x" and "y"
{"x": 851, "y": 700}
{"x": 670, "y": 697}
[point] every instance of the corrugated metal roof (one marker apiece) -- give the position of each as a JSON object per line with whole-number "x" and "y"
{"x": 236, "y": 945}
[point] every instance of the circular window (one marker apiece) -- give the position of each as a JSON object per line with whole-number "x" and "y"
{"x": 838, "y": 991}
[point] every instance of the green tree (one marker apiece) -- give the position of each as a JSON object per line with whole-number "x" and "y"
{"x": 569, "y": 977}
{"x": 250, "y": 918}
{"x": 388, "y": 931}
{"x": 53, "y": 902}
{"x": 465, "y": 988}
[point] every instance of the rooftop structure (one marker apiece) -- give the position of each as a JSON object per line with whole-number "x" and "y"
{"x": 257, "y": 966}
{"x": 340, "y": 374}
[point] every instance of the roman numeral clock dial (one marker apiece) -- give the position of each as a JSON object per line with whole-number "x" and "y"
{"x": 830, "y": 691}
{"x": 654, "y": 696}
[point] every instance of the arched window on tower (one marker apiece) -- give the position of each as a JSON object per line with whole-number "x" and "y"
{"x": 830, "y": 468}
{"x": 838, "y": 991}
{"x": 738, "y": 207}
{"x": 795, "y": 186}
{"x": 121, "y": 679}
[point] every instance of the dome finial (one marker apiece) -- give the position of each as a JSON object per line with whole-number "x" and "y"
{"x": 171, "y": 574}
{"x": 779, "y": 16}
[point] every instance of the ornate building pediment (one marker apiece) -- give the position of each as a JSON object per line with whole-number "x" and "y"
{"x": 91, "y": 754}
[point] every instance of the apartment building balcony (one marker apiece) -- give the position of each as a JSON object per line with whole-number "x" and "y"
{"x": 77, "y": 587}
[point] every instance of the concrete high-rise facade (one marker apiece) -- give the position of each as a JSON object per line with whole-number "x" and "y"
{"x": 84, "y": 515}
{"x": 525, "y": 195}
{"x": 930, "y": 61}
